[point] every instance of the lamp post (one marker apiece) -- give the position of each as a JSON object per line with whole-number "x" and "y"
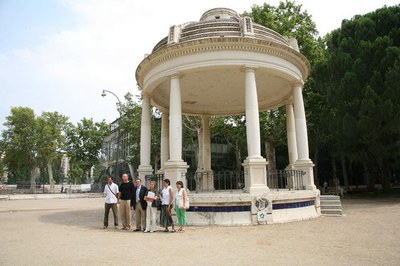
{"x": 118, "y": 132}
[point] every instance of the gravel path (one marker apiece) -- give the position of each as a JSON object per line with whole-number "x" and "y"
{"x": 68, "y": 232}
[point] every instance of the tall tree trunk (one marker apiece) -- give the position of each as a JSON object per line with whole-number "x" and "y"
{"x": 344, "y": 171}
{"x": 200, "y": 144}
{"x": 130, "y": 166}
{"x": 270, "y": 151}
{"x": 386, "y": 178}
{"x": 334, "y": 172}
{"x": 51, "y": 179}
{"x": 369, "y": 176}
{"x": 238, "y": 157}
{"x": 34, "y": 174}
{"x": 354, "y": 179}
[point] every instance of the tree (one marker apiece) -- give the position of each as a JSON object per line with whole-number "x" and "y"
{"x": 84, "y": 143}
{"x": 130, "y": 123}
{"x": 20, "y": 145}
{"x": 50, "y": 140}
{"x": 363, "y": 61}
{"x": 272, "y": 127}
{"x": 232, "y": 130}
{"x": 2, "y": 166}
{"x": 192, "y": 137}
{"x": 290, "y": 20}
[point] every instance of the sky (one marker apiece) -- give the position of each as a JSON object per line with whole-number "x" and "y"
{"x": 58, "y": 55}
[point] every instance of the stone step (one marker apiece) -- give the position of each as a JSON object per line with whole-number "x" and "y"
{"x": 331, "y": 205}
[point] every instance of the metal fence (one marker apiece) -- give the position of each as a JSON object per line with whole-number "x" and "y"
{"x": 232, "y": 180}
{"x": 158, "y": 178}
{"x": 196, "y": 181}
{"x": 285, "y": 179}
{"x": 215, "y": 181}
{"x": 205, "y": 181}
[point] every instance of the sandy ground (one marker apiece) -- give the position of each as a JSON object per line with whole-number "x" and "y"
{"x": 69, "y": 232}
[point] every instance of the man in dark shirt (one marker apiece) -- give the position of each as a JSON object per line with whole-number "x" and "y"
{"x": 126, "y": 190}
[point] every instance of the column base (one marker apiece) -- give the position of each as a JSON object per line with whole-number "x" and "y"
{"x": 176, "y": 171}
{"x": 306, "y": 165}
{"x": 255, "y": 172}
{"x": 144, "y": 170}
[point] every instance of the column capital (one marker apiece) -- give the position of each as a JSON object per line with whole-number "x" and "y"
{"x": 248, "y": 68}
{"x": 298, "y": 83}
{"x": 176, "y": 75}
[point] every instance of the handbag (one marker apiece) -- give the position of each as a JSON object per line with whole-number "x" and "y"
{"x": 187, "y": 205}
{"x": 158, "y": 204}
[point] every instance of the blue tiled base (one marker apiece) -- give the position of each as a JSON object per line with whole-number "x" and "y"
{"x": 279, "y": 206}
{"x": 219, "y": 209}
{"x": 276, "y": 206}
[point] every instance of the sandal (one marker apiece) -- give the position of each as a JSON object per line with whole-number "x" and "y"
{"x": 166, "y": 230}
{"x": 173, "y": 231}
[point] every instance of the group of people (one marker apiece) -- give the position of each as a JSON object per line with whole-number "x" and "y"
{"x": 143, "y": 201}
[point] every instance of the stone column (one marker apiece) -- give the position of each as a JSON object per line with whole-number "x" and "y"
{"x": 303, "y": 162}
{"x": 207, "y": 174}
{"x": 145, "y": 167}
{"x": 291, "y": 134}
{"x": 175, "y": 118}
{"x": 164, "y": 141}
{"x": 175, "y": 168}
{"x": 254, "y": 165}
{"x": 252, "y": 116}
{"x": 292, "y": 146}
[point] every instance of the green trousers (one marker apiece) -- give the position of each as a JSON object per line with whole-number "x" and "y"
{"x": 181, "y": 215}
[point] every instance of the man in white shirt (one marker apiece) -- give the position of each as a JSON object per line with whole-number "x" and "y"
{"x": 111, "y": 192}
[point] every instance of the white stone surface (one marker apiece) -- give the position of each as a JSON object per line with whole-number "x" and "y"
{"x": 294, "y": 214}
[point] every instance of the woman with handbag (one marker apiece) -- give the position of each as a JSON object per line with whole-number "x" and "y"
{"x": 181, "y": 203}
{"x": 167, "y": 197}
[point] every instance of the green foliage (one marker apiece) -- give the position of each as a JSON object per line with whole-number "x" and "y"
{"x": 51, "y": 137}
{"x": 30, "y": 141}
{"x": 20, "y": 143}
{"x": 232, "y": 131}
{"x": 84, "y": 143}
{"x": 362, "y": 91}
{"x": 290, "y": 20}
{"x": 1, "y": 167}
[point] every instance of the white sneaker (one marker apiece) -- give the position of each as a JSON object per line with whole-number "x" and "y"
{"x": 145, "y": 231}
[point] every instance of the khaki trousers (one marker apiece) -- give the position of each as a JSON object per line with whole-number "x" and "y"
{"x": 114, "y": 208}
{"x": 125, "y": 209}
{"x": 140, "y": 217}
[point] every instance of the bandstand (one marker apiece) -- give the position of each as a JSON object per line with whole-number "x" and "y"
{"x": 226, "y": 64}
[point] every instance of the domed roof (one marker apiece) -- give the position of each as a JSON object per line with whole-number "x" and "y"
{"x": 211, "y": 57}
{"x": 220, "y": 13}
{"x": 219, "y": 23}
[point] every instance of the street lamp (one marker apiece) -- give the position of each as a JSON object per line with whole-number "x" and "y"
{"x": 104, "y": 94}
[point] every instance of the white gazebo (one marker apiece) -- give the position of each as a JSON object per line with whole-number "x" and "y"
{"x": 226, "y": 64}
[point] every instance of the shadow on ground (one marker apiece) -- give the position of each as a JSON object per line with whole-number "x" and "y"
{"x": 91, "y": 219}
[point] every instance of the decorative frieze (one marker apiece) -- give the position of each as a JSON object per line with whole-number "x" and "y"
{"x": 223, "y": 44}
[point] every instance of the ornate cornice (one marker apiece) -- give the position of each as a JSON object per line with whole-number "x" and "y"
{"x": 223, "y": 44}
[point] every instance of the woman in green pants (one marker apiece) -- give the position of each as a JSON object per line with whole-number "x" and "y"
{"x": 180, "y": 205}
